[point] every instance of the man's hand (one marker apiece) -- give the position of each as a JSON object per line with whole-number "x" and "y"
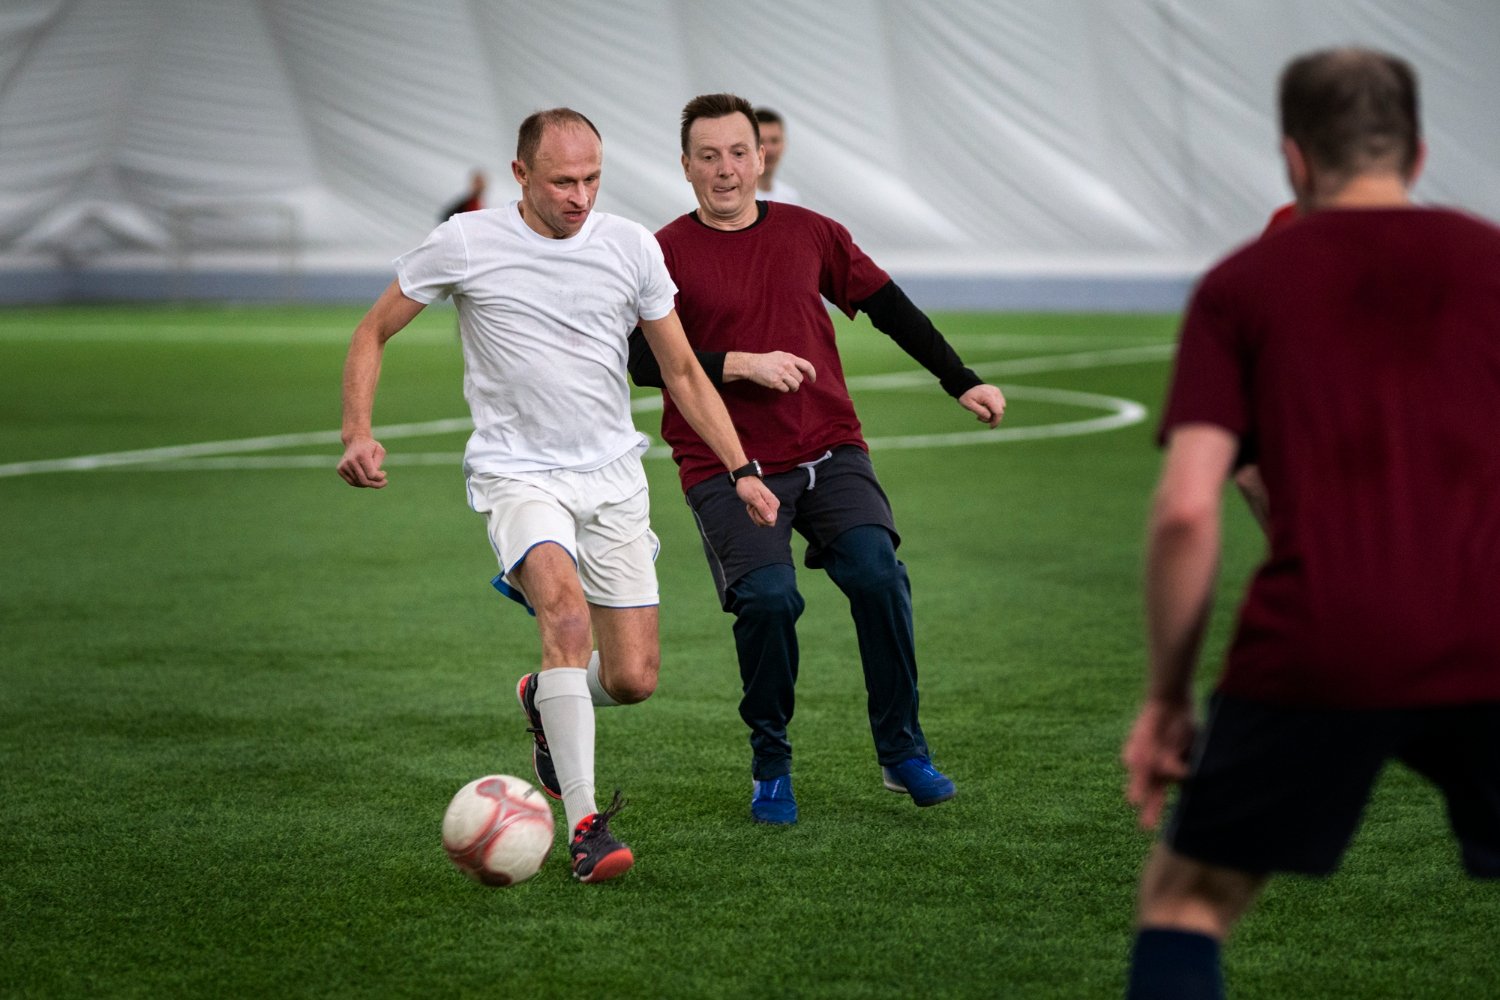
{"x": 760, "y": 502}
{"x": 360, "y": 465}
{"x": 776, "y": 370}
{"x": 986, "y": 402}
{"x": 1155, "y": 755}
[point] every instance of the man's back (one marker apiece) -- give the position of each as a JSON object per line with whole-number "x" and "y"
{"x": 1360, "y": 350}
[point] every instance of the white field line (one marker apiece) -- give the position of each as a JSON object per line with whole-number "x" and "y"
{"x": 85, "y": 463}
{"x": 1121, "y": 413}
{"x": 235, "y": 454}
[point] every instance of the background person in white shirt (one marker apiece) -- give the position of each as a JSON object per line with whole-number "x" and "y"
{"x": 773, "y": 142}
{"x": 547, "y": 292}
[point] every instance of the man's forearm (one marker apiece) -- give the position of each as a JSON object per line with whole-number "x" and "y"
{"x": 646, "y": 372}
{"x": 361, "y": 375}
{"x": 1182, "y": 553}
{"x": 896, "y": 316}
{"x": 1181, "y": 565}
{"x": 704, "y": 410}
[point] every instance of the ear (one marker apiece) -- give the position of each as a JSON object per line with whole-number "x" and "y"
{"x": 1298, "y": 172}
{"x": 685, "y": 167}
{"x": 1418, "y": 163}
{"x": 518, "y": 171}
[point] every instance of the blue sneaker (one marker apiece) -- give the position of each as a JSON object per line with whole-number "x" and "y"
{"x": 772, "y": 802}
{"x": 916, "y": 776}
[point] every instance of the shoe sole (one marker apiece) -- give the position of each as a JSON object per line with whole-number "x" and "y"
{"x": 612, "y": 865}
{"x": 766, "y": 821}
{"x": 922, "y": 803}
{"x": 521, "y": 699}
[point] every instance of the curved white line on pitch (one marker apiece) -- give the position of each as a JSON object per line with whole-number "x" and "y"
{"x": 1015, "y": 366}
{"x": 209, "y": 454}
{"x": 1121, "y": 413}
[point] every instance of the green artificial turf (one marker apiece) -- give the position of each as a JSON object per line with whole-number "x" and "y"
{"x": 237, "y": 695}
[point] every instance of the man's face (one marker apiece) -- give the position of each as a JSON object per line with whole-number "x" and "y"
{"x": 723, "y": 163}
{"x": 773, "y": 139}
{"x": 558, "y": 190}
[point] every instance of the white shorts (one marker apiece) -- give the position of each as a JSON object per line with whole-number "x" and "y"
{"x": 602, "y": 518}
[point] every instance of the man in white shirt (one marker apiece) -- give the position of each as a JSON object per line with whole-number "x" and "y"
{"x": 773, "y": 140}
{"x": 547, "y": 292}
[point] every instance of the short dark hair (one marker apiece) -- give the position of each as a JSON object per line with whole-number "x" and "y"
{"x": 1350, "y": 110}
{"x": 529, "y": 136}
{"x": 716, "y": 106}
{"x": 766, "y": 116}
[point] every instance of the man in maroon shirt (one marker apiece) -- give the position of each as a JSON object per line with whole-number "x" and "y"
{"x": 1359, "y": 351}
{"x": 752, "y": 279}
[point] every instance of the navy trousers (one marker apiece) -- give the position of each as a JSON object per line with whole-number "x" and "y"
{"x": 766, "y": 604}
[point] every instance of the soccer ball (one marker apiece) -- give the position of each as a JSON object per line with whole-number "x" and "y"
{"x": 498, "y": 830}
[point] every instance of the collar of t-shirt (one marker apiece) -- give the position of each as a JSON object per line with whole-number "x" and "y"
{"x": 761, "y": 208}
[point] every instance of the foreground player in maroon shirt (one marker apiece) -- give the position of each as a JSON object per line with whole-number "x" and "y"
{"x": 752, "y": 279}
{"x": 1359, "y": 350}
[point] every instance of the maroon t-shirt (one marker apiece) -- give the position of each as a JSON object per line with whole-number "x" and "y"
{"x": 762, "y": 289}
{"x": 1360, "y": 350}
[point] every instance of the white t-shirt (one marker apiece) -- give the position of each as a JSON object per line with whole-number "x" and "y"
{"x": 545, "y": 326}
{"x": 780, "y": 191}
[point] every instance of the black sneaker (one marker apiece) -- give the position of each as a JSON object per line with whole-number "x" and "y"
{"x": 597, "y": 855}
{"x": 541, "y": 757}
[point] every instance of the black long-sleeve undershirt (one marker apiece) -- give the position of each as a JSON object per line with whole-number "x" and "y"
{"x": 646, "y": 371}
{"x": 890, "y": 311}
{"x": 896, "y": 316}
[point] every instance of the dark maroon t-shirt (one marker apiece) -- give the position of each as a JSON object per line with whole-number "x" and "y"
{"x": 762, "y": 289}
{"x": 1360, "y": 350}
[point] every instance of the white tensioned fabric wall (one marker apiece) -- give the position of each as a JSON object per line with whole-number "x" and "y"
{"x": 1078, "y": 153}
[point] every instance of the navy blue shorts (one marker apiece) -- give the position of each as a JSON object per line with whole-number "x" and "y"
{"x": 821, "y": 501}
{"x": 1276, "y": 789}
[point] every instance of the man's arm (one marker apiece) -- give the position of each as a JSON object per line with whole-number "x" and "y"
{"x": 363, "y": 455}
{"x": 896, "y": 316}
{"x": 775, "y": 370}
{"x": 1182, "y": 560}
{"x": 700, "y": 403}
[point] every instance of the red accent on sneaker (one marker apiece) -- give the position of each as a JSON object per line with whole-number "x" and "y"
{"x": 597, "y": 855}
{"x": 612, "y": 865}
{"x": 541, "y": 753}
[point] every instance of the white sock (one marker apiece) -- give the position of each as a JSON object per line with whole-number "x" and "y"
{"x": 567, "y": 711}
{"x": 601, "y": 697}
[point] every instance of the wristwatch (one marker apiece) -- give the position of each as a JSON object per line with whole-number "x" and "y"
{"x": 750, "y": 468}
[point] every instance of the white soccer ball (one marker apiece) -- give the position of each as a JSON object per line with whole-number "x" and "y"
{"x": 498, "y": 830}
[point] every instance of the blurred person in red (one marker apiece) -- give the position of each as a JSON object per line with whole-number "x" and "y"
{"x": 1359, "y": 350}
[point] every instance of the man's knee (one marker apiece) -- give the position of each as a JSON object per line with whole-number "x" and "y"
{"x": 864, "y": 559}
{"x": 632, "y": 681}
{"x": 767, "y": 594}
{"x": 1181, "y": 893}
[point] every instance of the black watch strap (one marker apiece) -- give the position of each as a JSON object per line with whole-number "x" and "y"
{"x": 750, "y": 468}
